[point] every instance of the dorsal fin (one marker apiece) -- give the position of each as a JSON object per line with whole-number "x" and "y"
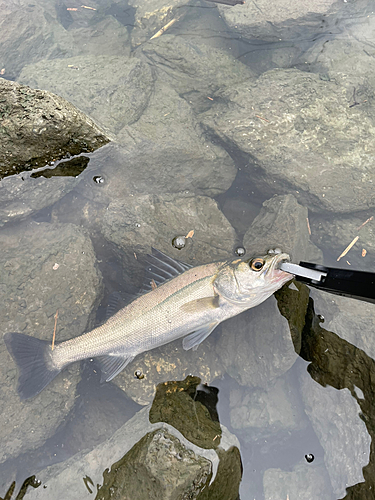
{"x": 160, "y": 268}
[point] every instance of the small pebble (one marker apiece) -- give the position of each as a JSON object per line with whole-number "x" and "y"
{"x": 138, "y": 374}
{"x": 179, "y": 242}
{"x": 240, "y": 251}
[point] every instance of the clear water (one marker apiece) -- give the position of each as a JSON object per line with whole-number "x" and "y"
{"x": 295, "y": 392}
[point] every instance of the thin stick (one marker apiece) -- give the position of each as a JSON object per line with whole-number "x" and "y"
{"x": 261, "y": 118}
{"x": 164, "y": 28}
{"x": 54, "y": 330}
{"x": 351, "y": 244}
{"x": 308, "y": 225}
{"x": 366, "y": 221}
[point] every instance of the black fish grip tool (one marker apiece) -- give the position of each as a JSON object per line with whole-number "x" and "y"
{"x": 345, "y": 282}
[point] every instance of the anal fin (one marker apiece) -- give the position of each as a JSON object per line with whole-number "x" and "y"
{"x": 193, "y": 340}
{"x": 111, "y": 366}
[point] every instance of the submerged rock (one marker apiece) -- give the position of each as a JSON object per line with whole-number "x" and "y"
{"x": 287, "y": 151}
{"x": 157, "y": 457}
{"x": 136, "y": 224}
{"x": 194, "y": 70}
{"x": 112, "y": 90}
{"x": 348, "y": 59}
{"x": 282, "y": 20}
{"x": 152, "y": 16}
{"x": 166, "y": 363}
{"x": 46, "y": 30}
{"x": 282, "y": 223}
{"x": 157, "y": 467}
{"x": 46, "y": 268}
{"x": 256, "y": 347}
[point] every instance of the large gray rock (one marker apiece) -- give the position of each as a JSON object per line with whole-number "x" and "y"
{"x": 282, "y": 20}
{"x": 38, "y": 127}
{"x": 195, "y": 70}
{"x": 178, "y": 154}
{"x": 286, "y": 149}
{"x": 113, "y": 90}
{"x": 256, "y": 346}
{"x": 305, "y": 482}
{"x": 282, "y": 223}
{"x": 45, "y": 268}
{"x": 335, "y": 417}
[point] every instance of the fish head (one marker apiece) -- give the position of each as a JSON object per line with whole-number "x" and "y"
{"x": 249, "y": 282}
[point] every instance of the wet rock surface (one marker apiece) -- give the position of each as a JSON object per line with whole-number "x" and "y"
{"x": 60, "y": 274}
{"x": 158, "y": 466}
{"x": 180, "y": 405}
{"x": 286, "y": 148}
{"x": 282, "y": 223}
{"x": 38, "y": 127}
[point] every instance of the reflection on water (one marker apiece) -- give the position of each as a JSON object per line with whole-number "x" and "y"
{"x": 233, "y": 129}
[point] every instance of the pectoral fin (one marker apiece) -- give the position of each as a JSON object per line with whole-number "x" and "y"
{"x": 193, "y": 340}
{"x": 201, "y": 305}
{"x": 111, "y": 366}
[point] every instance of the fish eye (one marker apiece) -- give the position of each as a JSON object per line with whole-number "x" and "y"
{"x": 257, "y": 264}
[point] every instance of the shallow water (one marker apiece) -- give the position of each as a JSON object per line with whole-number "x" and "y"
{"x": 231, "y": 128}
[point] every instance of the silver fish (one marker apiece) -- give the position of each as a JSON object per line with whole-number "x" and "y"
{"x": 180, "y": 301}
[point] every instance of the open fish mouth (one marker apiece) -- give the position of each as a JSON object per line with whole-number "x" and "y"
{"x": 274, "y": 270}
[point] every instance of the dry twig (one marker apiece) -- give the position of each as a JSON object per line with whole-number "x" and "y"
{"x": 351, "y": 244}
{"x": 54, "y": 330}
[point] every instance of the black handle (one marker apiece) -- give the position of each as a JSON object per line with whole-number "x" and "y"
{"x": 355, "y": 284}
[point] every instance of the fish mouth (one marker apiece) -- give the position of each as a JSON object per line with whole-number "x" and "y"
{"x": 274, "y": 269}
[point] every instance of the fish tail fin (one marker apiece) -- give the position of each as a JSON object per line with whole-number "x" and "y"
{"x": 31, "y": 357}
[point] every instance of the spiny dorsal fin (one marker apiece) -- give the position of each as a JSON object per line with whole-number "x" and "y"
{"x": 160, "y": 268}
